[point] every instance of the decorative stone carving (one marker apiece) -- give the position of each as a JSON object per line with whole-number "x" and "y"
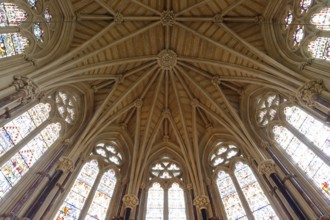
{"x": 218, "y": 19}
{"x": 65, "y": 164}
{"x": 307, "y": 93}
{"x": 138, "y": 103}
{"x": 119, "y": 18}
{"x": 216, "y": 80}
{"x": 260, "y": 19}
{"x": 130, "y": 201}
{"x": 26, "y": 85}
{"x": 167, "y": 18}
{"x": 201, "y": 202}
{"x": 267, "y": 167}
{"x": 167, "y": 59}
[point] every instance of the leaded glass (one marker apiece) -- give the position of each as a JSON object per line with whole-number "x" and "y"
{"x": 109, "y": 153}
{"x": 267, "y": 108}
{"x": 66, "y": 106}
{"x": 322, "y": 19}
{"x": 155, "y": 203}
{"x": 11, "y": 15}
{"x": 300, "y": 154}
{"x": 229, "y": 197}
{"x": 37, "y": 31}
{"x": 47, "y": 15}
{"x": 18, "y": 165}
{"x": 288, "y": 19}
{"x": 102, "y": 197}
{"x": 165, "y": 169}
{"x": 223, "y": 153}
{"x": 298, "y": 35}
{"x": 12, "y": 44}
{"x": 316, "y": 131}
{"x": 32, "y": 3}
{"x": 17, "y": 129}
{"x": 320, "y": 48}
{"x": 79, "y": 192}
{"x": 253, "y": 193}
{"x": 305, "y": 4}
{"x": 176, "y": 203}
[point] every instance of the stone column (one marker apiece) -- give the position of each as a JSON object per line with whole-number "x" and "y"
{"x": 202, "y": 203}
{"x": 130, "y": 201}
{"x": 26, "y": 90}
{"x": 267, "y": 168}
{"x": 65, "y": 165}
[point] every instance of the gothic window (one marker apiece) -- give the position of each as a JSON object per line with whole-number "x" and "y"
{"x": 32, "y": 3}
{"x": 12, "y": 44}
{"x": 37, "y": 31}
{"x": 11, "y": 15}
{"x": 165, "y": 198}
{"x": 95, "y": 181}
{"x": 109, "y": 152}
{"x": 67, "y": 105}
{"x": 288, "y": 19}
{"x": 47, "y": 15}
{"x": 320, "y": 48}
{"x": 305, "y": 5}
{"x": 321, "y": 20}
{"x": 298, "y": 35}
{"x": 237, "y": 185}
{"x": 305, "y": 141}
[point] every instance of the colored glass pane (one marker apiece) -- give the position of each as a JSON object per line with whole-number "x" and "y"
{"x": 229, "y": 197}
{"x": 37, "y": 31}
{"x": 66, "y": 106}
{"x": 17, "y": 129}
{"x": 288, "y": 19}
{"x": 12, "y": 44}
{"x": 322, "y": 19}
{"x": 223, "y": 154}
{"x": 301, "y": 155}
{"x": 79, "y": 192}
{"x": 102, "y": 197}
{"x": 47, "y": 15}
{"x": 176, "y": 203}
{"x": 253, "y": 193}
{"x": 298, "y": 35}
{"x": 11, "y": 15}
{"x": 32, "y": 3}
{"x": 320, "y": 48}
{"x": 155, "y": 203}
{"x": 305, "y": 4}
{"x": 18, "y": 165}
{"x": 165, "y": 170}
{"x": 317, "y": 132}
{"x": 109, "y": 153}
{"x": 267, "y": 109}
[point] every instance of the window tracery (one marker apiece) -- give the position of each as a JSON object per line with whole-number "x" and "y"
{"x": 67, "y": 105}
{"x": 302, "y": 139}
{"x": 165, "y": 169}
{"x": 305, "y": 5}
{"x": 223, "y": 153}
{"x": 109, "y": 152}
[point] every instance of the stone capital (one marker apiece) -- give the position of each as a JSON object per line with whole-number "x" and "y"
{"x": 267, "y": 167}
{"x": 31, "y": 90}
{"x": 306, "y": 93}
{"x": 201, "y": 202}
{"x": 130, "y": 201}
{"x": 65, "y": 164}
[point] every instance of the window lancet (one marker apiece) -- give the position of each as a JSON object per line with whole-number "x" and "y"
{"x": 321, "y": 20}
{"x": 12, "y": 44}
{"x": 305, "y": 5}
{"x": 11, "y": 15}
{"x": 176, "y": 203}
{"x": 320, "y": 48}
{"x": 155, "y": 203}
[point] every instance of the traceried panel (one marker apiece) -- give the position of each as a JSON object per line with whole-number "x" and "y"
{"x": 12, "y": 171}
{"x": 109, "y": 152}
{"x": 12, "y": 44}
{"x": 67, "y": 106}
{"x": 176, "y": 203}
{"x": 301, "y": 155}
{"x": 305, "y": 5}
{"x": 79, "y": 192}
{"x": 17, "y": 129}
{"x": 320, "y": 48}
{"x": 316, "y": 131}
{"x": 155, "y": 203}
{"x": 37, "y": 31}
{"x": 223, "y": 153}
{"x": 32, "y": 3}
{"x": 48, "y": 16}
{"x": 298, "y": 35}
{"x": 11, "y": 15}
{"x": 229, "y": 197}
{"x": 165, "y": 170}
{"x": 258, "y": 202}
{"x": 102, "y": 198}
{"x": 288, "y": 19}
{"x": 321, "y": 20}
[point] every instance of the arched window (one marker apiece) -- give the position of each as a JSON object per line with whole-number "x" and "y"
{"x": 321, "y": 20}
{"x": 237, "y": 185}
{"x": 165, "y": 198}
{"x": 303, "y": 139}
{"x": 11, "y": 15}
{"x": 12, "y": 44}
{"x": 24, "y": 140}
{"x": 320, "y": 48}
{"x": 95, "y": 181}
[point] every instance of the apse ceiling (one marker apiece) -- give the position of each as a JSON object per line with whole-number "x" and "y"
{"x": 166, "y": 71}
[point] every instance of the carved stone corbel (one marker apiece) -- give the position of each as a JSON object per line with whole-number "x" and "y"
{"x": 267, "y": 167}
{"x": 308, "y": 92}
{"x": 201, "y": 202}
{"x": 65, "y": 164}
{"x": 130, "y": 201}
{"x": 27, "y": 86}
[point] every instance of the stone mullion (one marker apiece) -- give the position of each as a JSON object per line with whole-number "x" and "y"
{"x": 90, "y": 197}
{"x": 166, "y": 208}
{"x": 214, "y": 197}
{"x": 22, "y": 143}
{"x": 241, "y": 196}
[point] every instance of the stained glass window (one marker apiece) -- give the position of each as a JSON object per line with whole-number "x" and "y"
{"x": 300, "y": 154}
{"x": 67, "y": 106}
{"x": 11, "y": 15}
{"x": 98, "y": 208}
{"x": 155, "y": 203}
{"x": 165, "y": 169}
{"x": 298, "y": 35}
{"x": 288, "y": 19}
{"x": 12, "y": 44}
{"x": 37, "y": 31}
{"x": 12, "y": 171}
{"x": 322, "y": 19}
{"x": 17, "y": 129}
{"x": 47, "y": 15}
{"x": 32, "y": 3}
{"x": 253, "y": 193}
{"x": 79, "y": 192}
{"x": 320, "y": 48}
{"x": 305, "y": 5}
{"x": 223, "y": 153}
{"x": 109, "y": 152}
{"x": 176, "y": 203}
{"x": 229, "y": 197}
